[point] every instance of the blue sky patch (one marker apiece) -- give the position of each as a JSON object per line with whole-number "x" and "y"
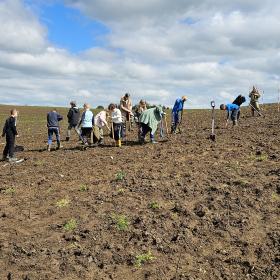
{"x": 68, "y": 28}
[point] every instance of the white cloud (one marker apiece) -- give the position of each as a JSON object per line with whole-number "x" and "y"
{"x": 157, "y": 49}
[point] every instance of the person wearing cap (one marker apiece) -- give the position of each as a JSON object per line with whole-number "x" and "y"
{"x": 177, "y": 108}
{"x": 149, "y": 121}
{"x": 232, "y": 112}
{"x": 73, "y": 119}
{"x": 126, "y": 110}
{"x": 86, "y": 124}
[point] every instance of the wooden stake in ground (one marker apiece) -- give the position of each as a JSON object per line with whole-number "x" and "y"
{"x": 278, "y": 99}
{"x": 166, "y": 125}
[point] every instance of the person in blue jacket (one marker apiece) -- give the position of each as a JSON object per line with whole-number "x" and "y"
{"x": 53, "y": 119}
{"x": 177, "y": 108}
{"x": 232, "y": 112}
{"x": 86, "y": 124}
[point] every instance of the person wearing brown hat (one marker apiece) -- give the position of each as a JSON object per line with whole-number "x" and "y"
{"x": 177, "y": 108}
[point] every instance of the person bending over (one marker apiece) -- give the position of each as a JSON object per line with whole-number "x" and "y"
{"x": 232, "y": 113}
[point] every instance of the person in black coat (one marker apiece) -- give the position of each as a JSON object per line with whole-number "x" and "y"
{"x": 10, "y": 131}
{"x": 73, "y": 119}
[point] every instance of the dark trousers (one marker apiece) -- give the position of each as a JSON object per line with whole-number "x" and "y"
{"x": 144, "y": 130}
{"x": 9, "y": 149}
{"x": 233, "y": 115}
{"x": 86, "y": 134}
{"x": 176, "y": 118}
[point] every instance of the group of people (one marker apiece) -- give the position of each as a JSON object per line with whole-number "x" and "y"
{"x": 89, "y": 128}
{"x": 233, "y": 109}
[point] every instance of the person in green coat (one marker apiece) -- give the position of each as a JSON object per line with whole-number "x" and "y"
{"x": 149, "y": 121}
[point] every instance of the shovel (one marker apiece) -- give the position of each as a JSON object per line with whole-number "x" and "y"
{"x": 256, "y": 110}
{"x": 213, "y": 135}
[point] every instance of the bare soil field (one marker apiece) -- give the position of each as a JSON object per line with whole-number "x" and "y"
{"x": 185, "y": 208}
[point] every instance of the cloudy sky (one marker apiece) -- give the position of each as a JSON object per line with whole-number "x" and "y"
{"x": 96, "y": 50}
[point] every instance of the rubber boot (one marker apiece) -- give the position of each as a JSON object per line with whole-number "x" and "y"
{"x": 58, "y": 145}
{"x": 119, "y": 143}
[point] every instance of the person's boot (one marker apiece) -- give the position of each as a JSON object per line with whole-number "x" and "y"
{"x": 59, "y": 146}
{"x": 49, "y": 148}
{"x": 119, "y": 143}
{"x": 5, "y": 158}
{"x": 153, "y": 141}
{"x": 13, "y": 159}
{"x": 101, "y": 142}
{"x": 67, "y": 139}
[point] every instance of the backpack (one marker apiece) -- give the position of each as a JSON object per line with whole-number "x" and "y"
{"x": 239, "y": 100}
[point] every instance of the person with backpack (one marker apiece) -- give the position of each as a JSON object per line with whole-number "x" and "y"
{"x": 53, "y": 119}
{"x": 10, "y": 131}
{"x": 239, "y": 100}
{"x": 73, "y": 117}
{"x": 177, "y": 108}
{"x": 86, "y": 124}
{"x": 232, "y": 112}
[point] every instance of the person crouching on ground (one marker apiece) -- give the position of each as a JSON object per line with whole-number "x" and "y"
{"x": 73, "y": 119}
{"x": 53, "y": 119}
{"x": 177, "y": 108}
{"x": 117, "y": 129}
{"x": 86, "y": 123}
{"x": 100, "y": 121}
{"x": 10, "y": 131}
{"x": 232, "y": 112}
{"x": 149, "y": 121}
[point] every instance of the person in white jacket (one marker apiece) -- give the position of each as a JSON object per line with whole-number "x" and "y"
{"x": 117, "y": 127}
{"x": 100, "y": 121}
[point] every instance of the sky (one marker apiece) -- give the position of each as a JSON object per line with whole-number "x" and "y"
{"x": 95, "y": 51}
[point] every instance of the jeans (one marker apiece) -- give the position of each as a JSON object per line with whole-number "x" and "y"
{"x": 51, "y": 131}
{"x": 175, "y": 121}
{"x": 118, "y": 131}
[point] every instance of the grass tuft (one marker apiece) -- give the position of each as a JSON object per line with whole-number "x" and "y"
{"x": 70, "y": 225}
{"x": 144, "y": 258}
